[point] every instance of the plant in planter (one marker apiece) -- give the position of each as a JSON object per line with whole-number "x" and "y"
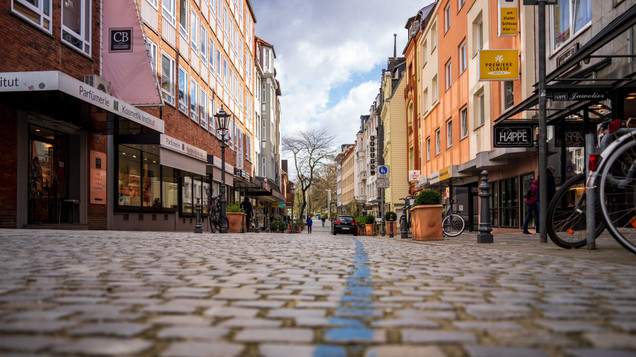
{"x": 276, "y": 224}
{"x": 300, "y": 223}
{"x": 391, "y": 221}
{"x": 235, "y": 217}
{"x": 361, "y": 222}
{"x": 426, "y": 216}
{"x": 369, "y": 222}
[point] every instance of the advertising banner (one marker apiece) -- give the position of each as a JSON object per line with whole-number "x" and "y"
{"x": 498, "y": 65}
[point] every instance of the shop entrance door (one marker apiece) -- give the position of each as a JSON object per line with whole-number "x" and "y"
{"x": 46, "y": 174}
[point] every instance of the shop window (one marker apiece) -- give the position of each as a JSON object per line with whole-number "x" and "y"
{"x": 509, "y": 202}
{"x": 151, "y": 183}
{"x": 494, "y": 203}
{"x": 129, "y": 180}
{"x": 186, "y": 196}
{"x": 36, "y": 12}
{"x": 526, "y": 182}
{"x": 76, "y": 25}
{"x": 569, "y": 17}
{"x": 169, "y": 188}
{"x": 193, "y": 188}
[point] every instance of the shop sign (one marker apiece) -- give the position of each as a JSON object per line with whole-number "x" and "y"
{"x": 445, "y": 173}
{"x": 508, "y": 18}
{"x": 498, "y": 65}
{"x": 574, "y": 137}
{"x": 434, "y": 177}
{"x": 414, "y": 175}
{"x": 121, "y": 39}
{"x": 281, "y": 205}
{"x": 98, "y": 178}
{"x": 183, "y": 148}
{"x": 513, "y": 136}
{"x": 579, "y": 95}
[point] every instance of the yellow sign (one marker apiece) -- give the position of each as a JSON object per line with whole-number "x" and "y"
{"x": 508, "y": 18}
{"x": 498, "y": 65}
{"x": 445, "y": 173}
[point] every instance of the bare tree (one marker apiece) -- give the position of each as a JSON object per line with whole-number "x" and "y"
{"x": 311, "y": 149}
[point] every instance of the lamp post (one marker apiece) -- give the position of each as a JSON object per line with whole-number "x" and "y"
{"x": 222, "y": 124}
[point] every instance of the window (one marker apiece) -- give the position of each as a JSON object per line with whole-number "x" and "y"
{"x": 152, "y": 53}
{"x": 194, "y": 32}
{"x": 203, "y": 119}
{"x": 438, "y": 141}
{"x": 449, "y": 75}
{"x": 76, "y": 24}
{"x": 183, "y": 18}
{"x": 167, "y": 78}
{"x": 411, "y": 158}
{"x": 478, "y": 34}
{"x": 480, "y": 117}
{"x": 425, "y": 53}
{"x": 434, "y": 95}
{"x": 169, "y": 11}
{"x": 460, "y": 3}
{"x": 428, "y": 148}
{"x": 425, "y": 101}
{"x": 37, "y": 12}
{"x": 449, "y": 133}
{"x": 153, "y": 3}
{"x": 463, "y": 115}
{"x": 508, "y": 94}
{"x": 192, "y": 189}
{"x": 447, "y": 17}
{"x": 194, "y": 97}
{"x": 569, "y": 18}
{"x": 463, "y": 63}
{"x": 218, "y": 63}
{"x": 212, "y": 51}
{"x": 211, "y": 123}
{"x": 135, "y": 167}
{"x": 183, "y": 90}
{"x": 204, "y": 44}
{"x": 433, "y": 36}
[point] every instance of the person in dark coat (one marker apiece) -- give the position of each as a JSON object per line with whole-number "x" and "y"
{"x": 246, "y": 206}
{"x": 309, "y": 223}
{"x": 531, "y": 203}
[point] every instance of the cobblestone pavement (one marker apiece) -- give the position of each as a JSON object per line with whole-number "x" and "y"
{"x": 78, "y": 293}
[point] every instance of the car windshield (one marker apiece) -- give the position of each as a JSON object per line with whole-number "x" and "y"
{"x": 345, "y": 219}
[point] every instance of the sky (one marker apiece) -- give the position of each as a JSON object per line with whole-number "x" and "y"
{"x": 329, "y": 57}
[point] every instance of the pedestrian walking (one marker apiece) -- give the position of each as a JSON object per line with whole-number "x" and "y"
{"x": 246, "y": 206}
{"x": 309, "y": 223}
{"x": 323, "y": 219}
{"x": 531, "y": 206}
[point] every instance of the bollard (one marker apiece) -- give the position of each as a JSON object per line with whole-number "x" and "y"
{"x": 403, "y": 228}
{"x": 255, "y": 221}
{"x": 266, "y": 224}
{"x": 197, "y": 225}
{"x": 484, "y": 235}
{"x": 383, "y": 229}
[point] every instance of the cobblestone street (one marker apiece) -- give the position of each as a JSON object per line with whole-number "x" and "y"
{"x": 113, "y": 293}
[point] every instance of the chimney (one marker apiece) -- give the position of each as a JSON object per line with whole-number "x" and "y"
{"x": 394, "y": 45}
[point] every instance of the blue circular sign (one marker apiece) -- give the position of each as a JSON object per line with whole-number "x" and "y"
{"x": 383, "y": 170}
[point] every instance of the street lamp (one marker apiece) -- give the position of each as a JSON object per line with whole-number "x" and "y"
{"x": 222, "y": 124}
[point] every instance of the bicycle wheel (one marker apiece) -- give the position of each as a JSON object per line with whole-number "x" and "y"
{"x": 453, "y": 225}
{"x": 618, "y": 194}
{"x": 566, "y": 220}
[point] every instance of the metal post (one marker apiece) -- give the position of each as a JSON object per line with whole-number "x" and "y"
{"x": 590, "y": 195}
{"x": 403, "y": 228}
{"x": 223, "y": 198}
{"x": 197, "y": 225}
{"x": 543, "y": 132}
{"x": 256, "y": 220}
{"x": 484, "y": 235}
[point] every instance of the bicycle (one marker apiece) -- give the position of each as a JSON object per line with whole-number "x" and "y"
{"x": 214, "y": 215}
{"x": 452, "y": 224}
{"x": 405, "y": 219}
{"x": 566, "y": 219}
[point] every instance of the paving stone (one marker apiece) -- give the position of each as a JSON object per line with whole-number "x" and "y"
{"x": 437, "y": 336}
{"x": 110, "y": 329}
{"x": 193, "y": 332}
{"x": 404, "y": 351}
{"x": 568, "y": 326}
{"x": 230, "y": 312}
{"x": 36, "y": 326}
{"x": 202, "y": 349}
{"x": 355, "y": 335}
{"x": 498, "y": 311}
{"x": 489, "y": 351}
{"x": 274, "y": 335}
{"x": 250, "y": 323}
{"x": 104, "y": 347}
{"x": 294, "y": 313}
{"x": 588, "y": 352}
{"x": 609, "y": 340}
{"x": 29, "y": 343}
{"x": 181, "y": 320}
{"x": 272, "y": 350}
{"x": 486, "y": 325}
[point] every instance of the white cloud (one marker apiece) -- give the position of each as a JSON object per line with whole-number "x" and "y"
{"x": 323, "y": 48}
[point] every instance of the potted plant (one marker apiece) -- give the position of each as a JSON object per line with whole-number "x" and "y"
{"x": 369, "y": 224}
{"x": 361, "y": 222}
{"x": 300, "y": 223}
{"x": 426, "y": 216}
{"x": 391, "y": 221}
{"x": 236, "y": 218}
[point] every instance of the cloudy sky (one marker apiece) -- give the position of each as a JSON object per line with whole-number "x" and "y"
{"x": 330, "y": 55}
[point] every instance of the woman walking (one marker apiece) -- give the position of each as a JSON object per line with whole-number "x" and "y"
{"x": 309, "y": 223}
{"x": 531, "y": 205}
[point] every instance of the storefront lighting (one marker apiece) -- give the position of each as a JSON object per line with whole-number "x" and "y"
{"x": 631, "y": 97}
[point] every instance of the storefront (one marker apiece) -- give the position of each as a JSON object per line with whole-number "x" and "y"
{"x": 459, "y": 187}
{"x": 56, "y": 158}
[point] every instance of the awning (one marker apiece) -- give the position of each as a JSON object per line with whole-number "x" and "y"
{"x": 214, "y": 166}
{"x": 50, "y": 81}
{"x": 181, "y": 162}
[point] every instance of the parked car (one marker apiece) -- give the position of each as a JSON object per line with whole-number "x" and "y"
{"x": 345, "y": 224}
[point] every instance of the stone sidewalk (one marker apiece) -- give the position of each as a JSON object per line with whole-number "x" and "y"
{"x": 78, "y": 293}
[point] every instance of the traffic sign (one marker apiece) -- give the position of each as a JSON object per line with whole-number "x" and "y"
{"x": 383, "y": 171}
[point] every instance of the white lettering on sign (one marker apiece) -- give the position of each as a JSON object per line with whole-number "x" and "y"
{"x": 513, "y": 136}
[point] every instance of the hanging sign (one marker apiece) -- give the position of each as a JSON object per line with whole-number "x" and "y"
{"x": 414, "y": 175}
{"x": 498, "y": 65}
{"x": 445, "y": 173}
{"x": 508, "y": 17}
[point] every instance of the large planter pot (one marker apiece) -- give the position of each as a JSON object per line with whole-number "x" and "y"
{"x": 388, "y": 228}
{"x": 426, "y": 222}
{"x": 368, "y": 229}
{"x": 237, "y": 221}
